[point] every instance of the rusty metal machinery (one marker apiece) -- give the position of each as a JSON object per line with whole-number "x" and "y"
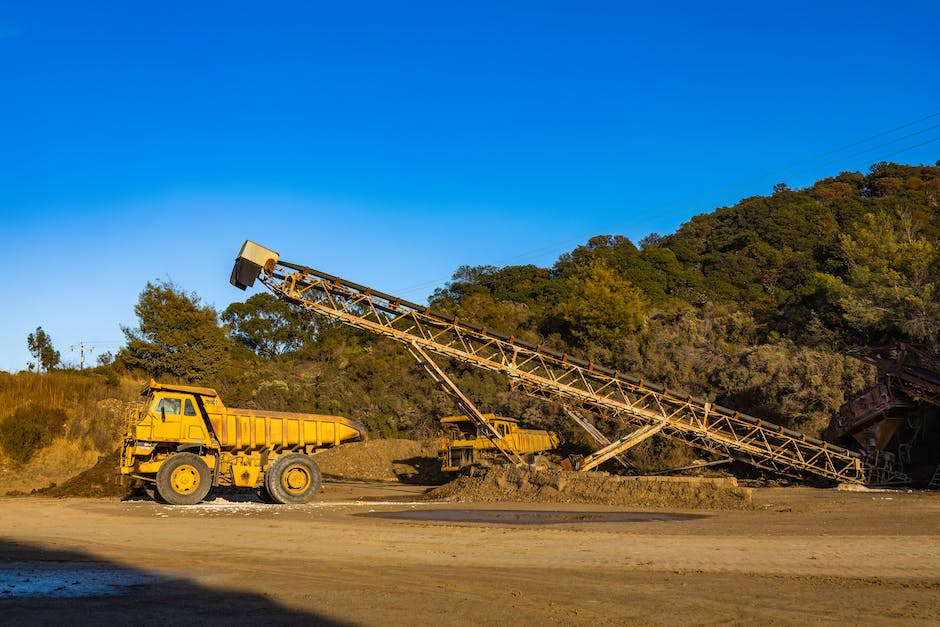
{"x": 891, "y": 414}
{"x": 642, "y": 408}
{"x": 912, "y": 369}
{"x": 908, "y": 375}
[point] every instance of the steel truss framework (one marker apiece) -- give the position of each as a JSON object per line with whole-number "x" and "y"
{"x": 613, "y": 449}
{"x": 473, "y": 413}
{"x": 600, "y": 438}
{"x": 915, "y": 371}
{"x": 578, "y": 385}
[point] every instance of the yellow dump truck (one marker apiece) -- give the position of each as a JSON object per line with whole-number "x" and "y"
{"x": 462, "y": 445}
{"x": 182, "y": 441}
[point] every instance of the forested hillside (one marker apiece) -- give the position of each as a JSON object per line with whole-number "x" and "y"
{"x": 754, "y": 306}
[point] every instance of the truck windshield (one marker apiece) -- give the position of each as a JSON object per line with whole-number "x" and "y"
{"x": 169, "y": 405}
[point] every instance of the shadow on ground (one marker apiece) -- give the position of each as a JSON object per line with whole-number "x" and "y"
{"x": 426, "y": 471}
{"x": 39, "y": 586}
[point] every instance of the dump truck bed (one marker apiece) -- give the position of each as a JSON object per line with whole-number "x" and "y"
{"x": 238, "y": 428}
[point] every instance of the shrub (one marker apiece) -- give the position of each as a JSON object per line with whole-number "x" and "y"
{"x": 29, "y": 429}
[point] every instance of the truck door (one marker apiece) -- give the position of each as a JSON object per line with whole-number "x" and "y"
{"x": 166, "y": 420}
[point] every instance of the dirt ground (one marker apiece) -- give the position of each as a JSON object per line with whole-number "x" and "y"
{"x": 800, "y": 555}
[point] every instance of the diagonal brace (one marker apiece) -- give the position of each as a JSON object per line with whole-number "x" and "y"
{"x": 599, "y": 437}
{"x": 482, "y": 424}
{"x": 614, "y": 448}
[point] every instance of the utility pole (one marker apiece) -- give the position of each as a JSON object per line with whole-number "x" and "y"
{"x": 82, "y": 349}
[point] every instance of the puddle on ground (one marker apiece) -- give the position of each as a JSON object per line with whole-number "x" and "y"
{"x": 528, "y": 517}
{"x": 35, "y": 580}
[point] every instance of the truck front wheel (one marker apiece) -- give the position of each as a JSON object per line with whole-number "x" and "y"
{"x": 183, "y": 479}
{"x": 293, "y": 479}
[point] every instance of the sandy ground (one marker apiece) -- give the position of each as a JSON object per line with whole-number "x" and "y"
{"x": 800, "y": 556}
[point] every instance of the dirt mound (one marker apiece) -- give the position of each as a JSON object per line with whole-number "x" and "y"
{"x": 551, "y": 486}
{"x": 54, "y": 464}
{"x": 101, "y": 480}
{"x": 409, "y": 461}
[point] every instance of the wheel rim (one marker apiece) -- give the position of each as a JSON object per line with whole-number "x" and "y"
{"x": 185, "y": 479}
{"x": 295, "y": 479}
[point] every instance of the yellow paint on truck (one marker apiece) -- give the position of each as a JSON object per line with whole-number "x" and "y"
{"x": 462, "y": 444}
{"x": 183, "y": 441}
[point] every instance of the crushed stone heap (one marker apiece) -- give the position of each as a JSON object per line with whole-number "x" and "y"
{"x": 556, "y": 486}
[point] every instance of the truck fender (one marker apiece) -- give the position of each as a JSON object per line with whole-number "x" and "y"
{"x": 198, "y": 449}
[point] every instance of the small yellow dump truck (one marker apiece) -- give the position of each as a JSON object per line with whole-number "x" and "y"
{"x": 182, "y": 441}
{"x": 462, "y": 445}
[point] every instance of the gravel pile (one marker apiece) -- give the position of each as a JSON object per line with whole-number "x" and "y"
{"x": 101, "y": 480}
{"x": 548, "y": 486}
{"x": 409, "y": 461}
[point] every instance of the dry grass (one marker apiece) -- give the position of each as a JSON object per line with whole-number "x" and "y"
{"x": 93, "y": 407}
{"x": 54, "y": 464}
{"x": 76, "y": 393}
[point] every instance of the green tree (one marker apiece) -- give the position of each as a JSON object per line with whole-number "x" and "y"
{"x": 604, "y": 306}
{"x": 268, "y": 326}
{"x": 891, "y": 288}
{"x": 177, "y": 336}
{"x": 40, "y": 347}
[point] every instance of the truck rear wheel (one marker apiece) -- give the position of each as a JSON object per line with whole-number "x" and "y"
{"x": 183, "y": 479}
{"x": 293, "y": 479}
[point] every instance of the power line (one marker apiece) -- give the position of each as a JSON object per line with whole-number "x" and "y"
{"x": 672, "y": 209}
{"x": 929, "y": 141}
{"x": 862, "y": 141}
{"x": 882, "y": 145}
{"x": 682, "y": 205}
{"x": 106, "y": 342}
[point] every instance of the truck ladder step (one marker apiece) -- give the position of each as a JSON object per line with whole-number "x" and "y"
{"x": 935, "y": 481}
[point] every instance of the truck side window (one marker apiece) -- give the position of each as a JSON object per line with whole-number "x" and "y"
{"x": 188, "y": 409}
{"x": 169, "y": 405}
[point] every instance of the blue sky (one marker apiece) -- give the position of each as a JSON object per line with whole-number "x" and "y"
{"x": 390, "y": 142}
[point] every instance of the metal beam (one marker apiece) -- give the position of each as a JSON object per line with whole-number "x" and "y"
{"x": 599, "y": 437}
{"x": 473, "y": 413}
{"x": 630, "y": 440}
{"x": 584, "y": 385}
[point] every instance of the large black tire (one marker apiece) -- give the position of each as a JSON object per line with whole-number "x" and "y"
{"x": 262, "y": 493}
{"x": 183, "y": 479}
{"x": 293, "y": 479}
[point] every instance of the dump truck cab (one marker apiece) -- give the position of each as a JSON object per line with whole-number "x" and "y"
{"x": 462, "y": 444}
{"x": 182, "y": 440}
{"x": 174, "y": 414}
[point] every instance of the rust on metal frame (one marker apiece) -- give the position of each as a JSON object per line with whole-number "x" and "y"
{"x": 560, "y": 378}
